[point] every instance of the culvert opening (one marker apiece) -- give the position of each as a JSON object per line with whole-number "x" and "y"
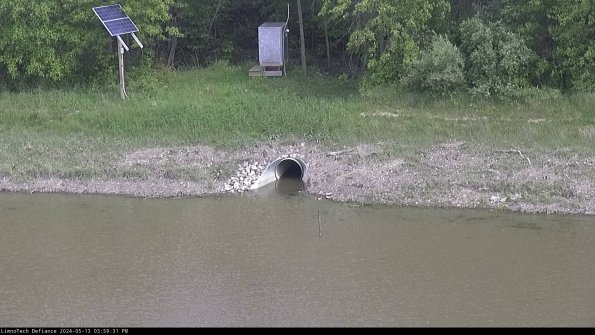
{"x": 286, "y": 172}
{"x": 289, "y": 168}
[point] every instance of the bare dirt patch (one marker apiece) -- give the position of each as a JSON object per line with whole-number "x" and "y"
{"x": 453, "y": 174}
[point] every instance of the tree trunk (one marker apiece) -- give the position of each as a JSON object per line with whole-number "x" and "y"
{"x": 173, "y": 40}
{"x": 172, "y": 51}
{"x": 302, "y": 42}
{"x": 214, "y": 16}
{"x": 328, "y": 48}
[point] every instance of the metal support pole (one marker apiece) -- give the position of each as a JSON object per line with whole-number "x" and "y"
{"x": 123, "y": 94}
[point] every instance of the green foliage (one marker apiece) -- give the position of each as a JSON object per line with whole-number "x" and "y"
{"x": 575, "y": 38}
{"x": 387, "y": 33}
{"x": 148, "y": 80}
{"x": 497, "y": 60}
{"x": 533, "y": 20}
{"x": 439, "y": 70}
{"x": 508, "y": 45}
{"x": 38, "y": 45}
{"x": 150, "y": 16}
{"x": 561, "y": 33}
{"x": 48, "y": 42}
{"x": 199, "y": 22}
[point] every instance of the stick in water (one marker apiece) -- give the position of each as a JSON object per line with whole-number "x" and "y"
{"x": 319, "y": 224}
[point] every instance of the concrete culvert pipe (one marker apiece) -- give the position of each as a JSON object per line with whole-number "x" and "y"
{"x": 282, "y": 168}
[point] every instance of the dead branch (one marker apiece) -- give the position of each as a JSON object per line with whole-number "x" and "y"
{"x": 340, "y": 152}
{"x": 516, "y": 152}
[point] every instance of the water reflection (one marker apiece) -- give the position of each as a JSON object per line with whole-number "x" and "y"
{"x": 281, "y": 187}
{"x": 290, "y": 186}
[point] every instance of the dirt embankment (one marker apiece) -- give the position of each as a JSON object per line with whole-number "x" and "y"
{"x": 453, "y": 174}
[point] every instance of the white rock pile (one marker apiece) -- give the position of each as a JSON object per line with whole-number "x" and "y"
{"x": 246, "y": 175}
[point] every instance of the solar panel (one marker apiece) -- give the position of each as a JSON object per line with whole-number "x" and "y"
{"x": 115, "y": 20}
{"x": 120, "y": 26}
{"x": 112, "y": 12}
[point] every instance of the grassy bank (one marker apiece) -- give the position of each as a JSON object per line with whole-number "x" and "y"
{"x": 73, "y": 133}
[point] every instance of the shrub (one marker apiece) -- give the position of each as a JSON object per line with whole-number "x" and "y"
{"x": 497, "y": 60}
{"x": 439, "y": 70}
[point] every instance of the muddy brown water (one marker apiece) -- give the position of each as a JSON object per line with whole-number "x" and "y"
{"x": 286, "y": 260}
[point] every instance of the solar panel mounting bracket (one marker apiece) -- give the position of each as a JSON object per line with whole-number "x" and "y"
{"x": 121, "y": 42}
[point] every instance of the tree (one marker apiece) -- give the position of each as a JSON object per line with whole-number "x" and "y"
{"x": 497, "y": 60}
{"x": 574, "y": 35}
{"x": 561, "y": 33}
{"x": 201, "y": 25}
{"x": 302, "y": 43}
{"x": 439, "y": 70}
{"x": 533, "y": 21}
{"x": 40, "y": 44}
{"x": 388, "y": 33}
